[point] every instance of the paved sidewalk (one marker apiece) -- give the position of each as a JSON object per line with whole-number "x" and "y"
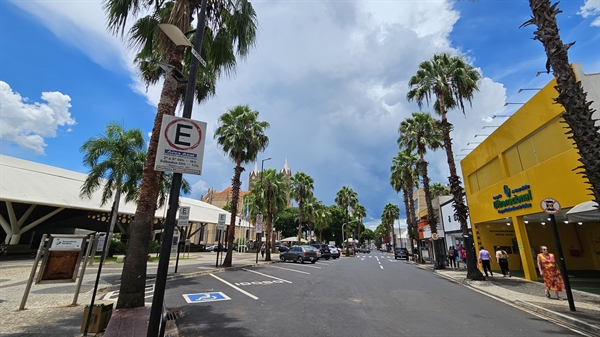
{"x": 49, "y": 312}
{"x": 529, "y": 296}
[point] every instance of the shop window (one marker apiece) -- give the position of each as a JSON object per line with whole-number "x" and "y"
{"x": 513, "y": 162}
{"x": 489, "y": 174}
{"x": 551, "y": 141}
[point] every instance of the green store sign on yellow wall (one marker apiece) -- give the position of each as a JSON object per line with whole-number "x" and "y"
{"x": 513, "y": 200}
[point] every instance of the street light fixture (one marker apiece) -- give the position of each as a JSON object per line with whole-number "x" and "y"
{"x": 541, "y": 72}
{"x": 480, "y": 135}
{"x": 490, "y": 126}
{"x": 473, "y": 143}
{"x": 163, "y": 264}
{"x": 521, "y": 90}
{"x": 505, "y": 104}
{"x": 505, "y": 116}
{"x": 466, "y": 149}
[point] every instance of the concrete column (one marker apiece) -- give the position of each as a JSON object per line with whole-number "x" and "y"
{"x": 524, "y": 248}
{"x": 14, "y": 239}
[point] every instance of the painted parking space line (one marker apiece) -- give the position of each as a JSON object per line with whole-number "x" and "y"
{"x": 323, "y": 263}
{"x": 265, "y": 275}
{"x": 234, "y": 287}
{"x": 294, "y": 270}
{"x": 305, "y": 266}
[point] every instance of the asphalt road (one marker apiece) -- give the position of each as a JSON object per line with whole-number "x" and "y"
{"x": 370, "y": 295}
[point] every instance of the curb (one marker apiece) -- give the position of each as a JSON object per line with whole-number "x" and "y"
{"x": 558, "y": 317}
{"x": 574, "y": 322}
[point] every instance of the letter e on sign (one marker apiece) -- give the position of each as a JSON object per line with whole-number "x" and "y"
{"x": 181, "y": 145}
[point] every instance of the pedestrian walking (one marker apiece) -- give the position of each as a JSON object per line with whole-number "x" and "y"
{"x": 502, "y": 259}
{"x": 451, "y": 258}
{"x": 550, "y": 272}
{"x": 262, "y": 250}
{"x": 458, "y": 254}
{"x": 484, "y": 258}
{"x": 463, "y": 256}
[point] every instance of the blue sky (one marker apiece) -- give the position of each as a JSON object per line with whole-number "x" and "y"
{"x": 330, "y": 78}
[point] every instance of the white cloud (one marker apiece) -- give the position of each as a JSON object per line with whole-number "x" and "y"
{"x": 591, "y": 8}
{"x": 28, "y": 124}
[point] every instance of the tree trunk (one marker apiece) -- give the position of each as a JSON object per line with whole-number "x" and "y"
{"x": 269, "y": 229}
{"x": 347, "y": 231}
{"x": 578, "y": 114}
{"x": 300, "y": 206}
{"x": 235, "y": 194}
{"x": 461, "y": 210}
{"x": 133, "y": 276}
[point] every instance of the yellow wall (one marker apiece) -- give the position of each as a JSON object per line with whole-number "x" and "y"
{"x": 529, "y": 149}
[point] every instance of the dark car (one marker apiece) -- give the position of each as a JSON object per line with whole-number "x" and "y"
{"x": 299, "y": 254}
{"x": 401, "y": 253}
{"x": 283, "y": 248}
{"x": 324, "y": 249}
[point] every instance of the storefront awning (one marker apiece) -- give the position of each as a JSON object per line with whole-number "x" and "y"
{"x": 586, "y": 211}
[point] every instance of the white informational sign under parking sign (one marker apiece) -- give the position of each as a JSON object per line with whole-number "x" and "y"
{"x": 181, "y": 145}
{"x": 259, "y": 220}
{"x": 184, "y": 216}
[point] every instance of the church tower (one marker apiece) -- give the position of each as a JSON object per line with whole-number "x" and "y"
{"x": 288, "y": 175}
{"x": 253, "y": 176}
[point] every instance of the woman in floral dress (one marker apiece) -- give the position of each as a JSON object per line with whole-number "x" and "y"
{"x": 550, "y": 272}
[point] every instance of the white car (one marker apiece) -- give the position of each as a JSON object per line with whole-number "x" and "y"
{"x": 335, "y": 252}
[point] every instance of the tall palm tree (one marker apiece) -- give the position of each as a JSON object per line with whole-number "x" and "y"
{"x": 346, "y": 198}
{"x": 390, "y": 213}
{"x": 420, "y": 132}
{"x": 359, "y": 212}
{"x": 232, "y": 22}
{"x": 403, "y": 178}
{"x": 242, "y": 137}
{"x": 448, "y": 82}
{"x": 115, "y": 160}
{"x": 273, "y": 189}
{"x": 438, "y": 190}
{"x": 322, "y": 219}
{"x": 311, "y": 207}
{"x": 302, "y": 186}
{"x": 578, "y": 114}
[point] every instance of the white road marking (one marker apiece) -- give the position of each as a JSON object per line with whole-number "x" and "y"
{"x": 297, "y": 271}
{"x": 234, "y": 287}
{"x": 265, "y": 275}
{"x": 381, "y": 267}
{"x": 323, "y": 263}
{"x": 305, "y": 266}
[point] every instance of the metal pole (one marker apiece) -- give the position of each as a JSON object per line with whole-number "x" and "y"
{"x": 181, "y": 233}
{"x": 218, "y": 247}
{"x": 33, "y": 269}
{"x": 163, "y": 264}
{"x": 225, "y": 238}
{"x": 563, "y": 266}
{"x": 91, "y": 240}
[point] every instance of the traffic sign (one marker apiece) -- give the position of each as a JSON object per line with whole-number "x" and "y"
{"x": 259, "y": 220}
{"x": 221, "y": 222}
{"x": 205, "y": 297}
{"x": 184, "y": 216}
{"x": 550, "y": 205}
{"x": 181, "y": 145}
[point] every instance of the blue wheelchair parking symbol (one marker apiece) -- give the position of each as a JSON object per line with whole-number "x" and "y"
{"x": 205, "y": 297}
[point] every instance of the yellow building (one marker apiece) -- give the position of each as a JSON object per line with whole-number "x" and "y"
{"x": 525, "y": 160}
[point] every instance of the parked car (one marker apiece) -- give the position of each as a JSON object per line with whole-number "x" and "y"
{"x": 401, "y": 253}
{"x": 335, "y": 252}
{"x": 283, "y": 248}
{"x": 364, "y": 250}
{"x": 300, "y": 254}
{"x": 323, "y": 249}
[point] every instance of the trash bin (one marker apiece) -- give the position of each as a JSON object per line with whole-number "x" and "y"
{"x": 100, "y": 316}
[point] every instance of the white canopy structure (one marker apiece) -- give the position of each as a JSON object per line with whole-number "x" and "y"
{"x": 293, "y": 239}
{"x": 586, "y": 211}
{"x": 36, "y": 193}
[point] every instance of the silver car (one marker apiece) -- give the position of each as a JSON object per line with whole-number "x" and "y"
{"x": 335, "y": 252}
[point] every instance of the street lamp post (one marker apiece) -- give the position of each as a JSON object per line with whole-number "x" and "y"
{"x": 163, "y": 264}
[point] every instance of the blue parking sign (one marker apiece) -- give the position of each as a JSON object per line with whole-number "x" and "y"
{"x": 205, "y": 297}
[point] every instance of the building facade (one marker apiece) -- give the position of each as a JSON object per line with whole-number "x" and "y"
{"x": 525, "y": 160}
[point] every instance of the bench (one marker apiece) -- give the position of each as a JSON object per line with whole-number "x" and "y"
{"x": 128, "y": 323}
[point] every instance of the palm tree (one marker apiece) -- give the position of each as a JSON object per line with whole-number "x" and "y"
{"x": 311, "y": 206}
{"x": 438, "y": 190}
{"x": 403, "y": 178}
{"x": 578, "y": 114}
{"x": 346, "y": 198}
{"x": 390, "y": 213}
{"x": 115, "y": 160}
{"x": 241, "y": 136}
{"x": 273, "y": 191}
{"x": 359, "y": 212}
{"x": 422, "y": 132}
{"x": 302, "y": 186}
{"x": 232, "y": 23}
{"x": 451, "y": 81}
{"x": 322, "y": 219}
